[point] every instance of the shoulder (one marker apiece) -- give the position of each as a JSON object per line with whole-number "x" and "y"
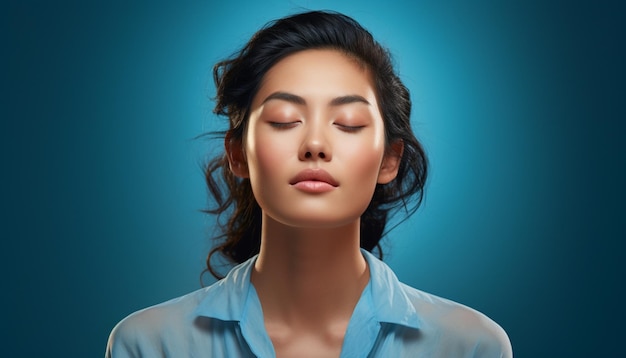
{"x": 138, "y": 332}
{"x": 432, "y": 325}
{"x": 458, "y": 325}
{"x": 205, "y": 320}
{"x": 171, "y": 312}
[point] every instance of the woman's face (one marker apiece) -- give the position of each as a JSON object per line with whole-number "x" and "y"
{"x": 314, "y": 148}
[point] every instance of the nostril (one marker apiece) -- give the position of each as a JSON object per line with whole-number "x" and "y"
{"x": 309, "y": 155}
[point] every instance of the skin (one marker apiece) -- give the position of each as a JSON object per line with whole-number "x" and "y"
{"x": 315, "y": 110}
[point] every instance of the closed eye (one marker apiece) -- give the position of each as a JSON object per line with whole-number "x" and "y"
{"x": 349, "y": 129}
{"x": 283, "y": 125}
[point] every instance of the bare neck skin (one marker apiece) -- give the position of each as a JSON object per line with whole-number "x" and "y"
{"x": 308, "y": 282}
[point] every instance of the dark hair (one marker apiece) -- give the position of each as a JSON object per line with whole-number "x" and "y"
{"x": 237, "y": 80}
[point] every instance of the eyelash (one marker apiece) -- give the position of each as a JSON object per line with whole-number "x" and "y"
{"x": 283, "y": 125}
{"x": 349, "y": 129}
{"x": 288, "y": 125}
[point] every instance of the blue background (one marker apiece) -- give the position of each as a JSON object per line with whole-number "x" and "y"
{"x": 520, "y": 107}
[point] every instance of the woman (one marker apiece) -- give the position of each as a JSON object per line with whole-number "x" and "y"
{"x": 319, "y": 151}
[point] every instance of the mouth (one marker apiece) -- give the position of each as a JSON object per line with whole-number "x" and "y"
{"x": 314, "y": 180}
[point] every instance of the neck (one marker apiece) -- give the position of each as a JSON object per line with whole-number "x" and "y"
{"x": 310, "y": 276}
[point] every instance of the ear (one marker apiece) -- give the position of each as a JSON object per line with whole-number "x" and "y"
{"x": 236, "y": 156}
{"x": 391, "y": 162}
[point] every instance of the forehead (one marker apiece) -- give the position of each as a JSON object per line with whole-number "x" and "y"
{"x": 318, "y": 74}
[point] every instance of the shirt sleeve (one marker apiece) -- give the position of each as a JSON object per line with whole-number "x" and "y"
{"x": 460, "y": 331}
{"x": 486, "y": 338}
{"x": 123, "y": 342}
{"x": 495, "y": 344}
{"x": 138, "y": 335}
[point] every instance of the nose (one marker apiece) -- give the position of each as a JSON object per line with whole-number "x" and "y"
{"x": 315, "y": 145}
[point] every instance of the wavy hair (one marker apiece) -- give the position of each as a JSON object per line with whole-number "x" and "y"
{"x": 237, "y": 80}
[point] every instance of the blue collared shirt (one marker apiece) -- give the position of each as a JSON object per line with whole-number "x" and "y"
{"x": 390, "y": 319}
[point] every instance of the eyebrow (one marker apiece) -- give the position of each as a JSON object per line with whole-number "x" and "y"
{"x": 337, "y": 101}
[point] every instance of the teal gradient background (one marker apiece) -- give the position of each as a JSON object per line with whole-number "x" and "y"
{"x": 519, "y": 105}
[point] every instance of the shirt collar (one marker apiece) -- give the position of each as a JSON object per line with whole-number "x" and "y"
{"x": 226, "y": 299}
{"x": 391, "y": 304}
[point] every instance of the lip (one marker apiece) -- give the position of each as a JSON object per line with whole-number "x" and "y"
{"x": 314, "y": 180}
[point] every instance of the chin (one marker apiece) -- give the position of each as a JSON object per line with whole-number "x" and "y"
{"x": 324, "y": 221}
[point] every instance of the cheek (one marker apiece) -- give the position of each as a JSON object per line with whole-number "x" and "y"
{"x": 364, "y": 159}
{"x": 265, "y": 157}
{"x": 366, "y": 169}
